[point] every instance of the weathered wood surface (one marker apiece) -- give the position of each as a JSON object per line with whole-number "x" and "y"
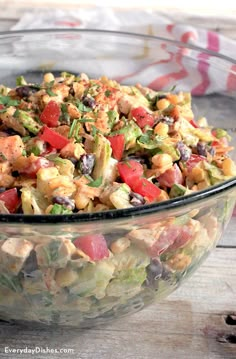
{"x": 190, "y": 324}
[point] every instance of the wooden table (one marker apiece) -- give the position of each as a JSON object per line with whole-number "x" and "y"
{"x": 197, "y": 321}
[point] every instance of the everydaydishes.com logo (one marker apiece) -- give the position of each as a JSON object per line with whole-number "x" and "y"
{"x": 38, "y": 350}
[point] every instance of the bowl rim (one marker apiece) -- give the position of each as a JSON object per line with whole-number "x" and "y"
{"x": 116, "y": 32}
{"x": 116, "y": 214}
{"x": 121, "y": 214}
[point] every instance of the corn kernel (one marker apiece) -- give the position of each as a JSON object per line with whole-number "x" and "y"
{"x": 120, "y": 245}
{"x": 228, "y": 167}
{"x": 48, "y": 77}
{"x": 163, "y": 196}
{"x": 197, "y": 174}
{"x": 179, "y": 261}
{"x": 162, "y": 104}
{"x": 65, "y": 277}
{"x": 162, "y": 160}
{"x": 161, "y": 129}
{"x": 174, "y": 99}
{"x": 202, "y": 185}
{"x": 81, "y": 200}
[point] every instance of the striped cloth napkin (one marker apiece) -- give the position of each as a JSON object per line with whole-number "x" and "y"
{"x": 200, "y": 80}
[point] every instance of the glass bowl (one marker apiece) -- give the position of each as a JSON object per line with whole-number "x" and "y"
{"x": 158, "y": 245}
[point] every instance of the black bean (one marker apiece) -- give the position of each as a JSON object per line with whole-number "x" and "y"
{"x": 166, "y": 119}
{"x": 64, "y": 201}
{"x": 185, "y": 151}
{"x": 73, "y": 160}
{"x": 89, "y": 101}
{"x": 72, "y": 91}
{"x": 160, "y": 97}
{"x": 202, "y": 148}
{"x": 15, "y": 174}
{"x": 86, "y": 163}
{"x": 25, "y": 91}
{"x": 211, "y": 150}
{"x": 10, "y": 131}
{"x": 154, "y": 273}
{"x": 142, "y": 158}
{"x": 135, "y": 158}
{"x": 30, "y": 264}
{"x": 166, "y": 273}
{"x": 136, "y": 199}
{"x": 113, "y": 236}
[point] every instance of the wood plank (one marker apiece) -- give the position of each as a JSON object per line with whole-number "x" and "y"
{"x": 229, "y": 236}
{"x": 189, "y": 324}
{"x": 6, "y": 24}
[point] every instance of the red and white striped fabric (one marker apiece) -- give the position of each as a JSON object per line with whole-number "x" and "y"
{"x": 200, "y": 80}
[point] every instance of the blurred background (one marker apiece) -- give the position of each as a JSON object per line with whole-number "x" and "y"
{"x": 213, "y": 15}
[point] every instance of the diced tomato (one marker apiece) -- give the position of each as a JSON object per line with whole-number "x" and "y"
{"x": 49, "y": 150}
{"x": 130, "y": 171}
{"x": 54, "y": 138}
{"x": 171, "y": 238}
{"x": 1, "y": 107}
{"x": 146, "y": 188}
{"x": 51, "y": 114}
{"x": 142, "y": 117}
{"x": 214, "y": 132}
{"x": 117, "y": 144}
{"x": 166, "y": 239}
{"x": 193, "y": 161}
{"x": 171, "y": 176}
{"x": 185, "y": 234}
{"x": 10, "y": 199}
{"x": 33, "y": 168}
{"x": 215, "y": 143}
{"x": 94, "y": 245}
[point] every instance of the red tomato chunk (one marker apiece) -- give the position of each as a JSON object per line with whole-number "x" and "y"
{"x": 10, "y": 199}
{"x": 33, "y": 168}
{"x": 51, "y": 114}
{"x": 117, "y": 144}
{"x": 142, "y": 117}
{"x": 193, "y": 161}
{"x": 171, "y": 238}
{"x": 147, "y": 189}
{"x": 171, "y": 177}
{"x": 94, "y": 245}
{"x": 54, "y": 138}
{"x": 130, "y": 171}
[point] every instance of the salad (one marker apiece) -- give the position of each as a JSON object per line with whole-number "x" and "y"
{"x": 73, "y": 144}
{"x": 77, "y": 145}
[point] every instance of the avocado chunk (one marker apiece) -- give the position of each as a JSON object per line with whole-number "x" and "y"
{"x": 120, "y": 197}
{"x": 177, "y": 190}
{"x": 28, "y": 122}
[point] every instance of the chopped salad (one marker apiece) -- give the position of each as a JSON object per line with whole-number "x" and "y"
{"x": 73, "y": 144}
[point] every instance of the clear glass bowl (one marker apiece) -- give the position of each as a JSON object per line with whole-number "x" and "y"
{"x": 61, "y": 289}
